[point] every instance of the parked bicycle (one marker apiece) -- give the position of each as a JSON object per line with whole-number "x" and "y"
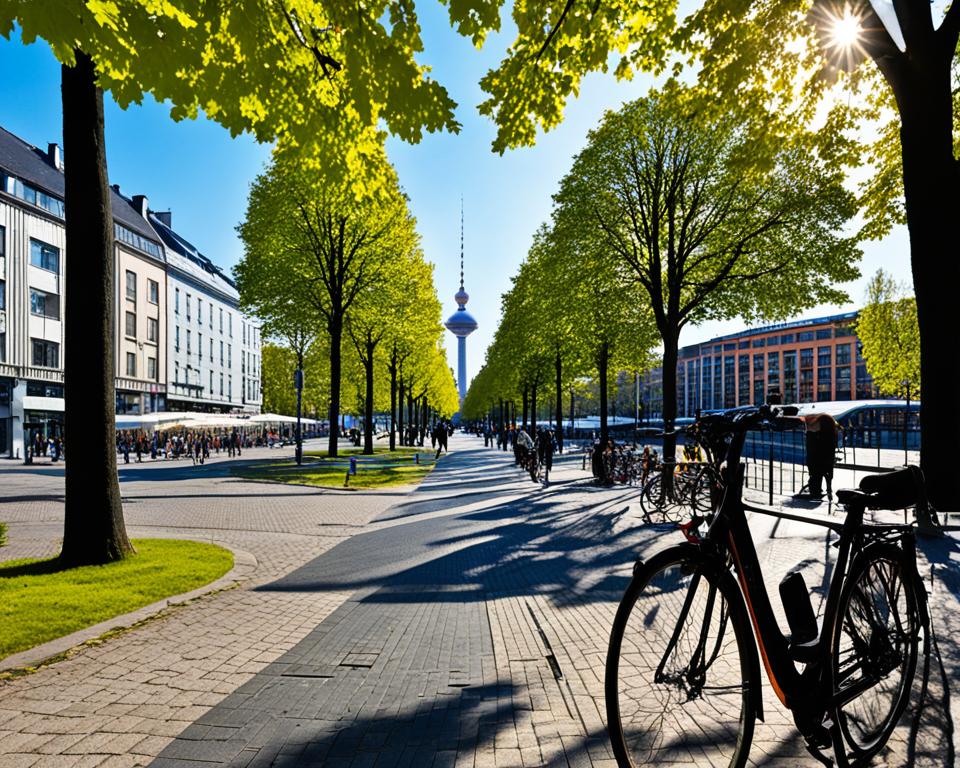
{"x": 683, "y": 675}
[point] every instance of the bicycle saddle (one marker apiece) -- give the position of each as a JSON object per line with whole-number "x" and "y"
{"x": 891, "y": 490}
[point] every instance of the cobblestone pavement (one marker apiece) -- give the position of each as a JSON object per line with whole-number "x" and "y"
{"x": 462, "y": 624}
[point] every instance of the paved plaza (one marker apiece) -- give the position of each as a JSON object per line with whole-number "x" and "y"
{"x": 461, "y": 623}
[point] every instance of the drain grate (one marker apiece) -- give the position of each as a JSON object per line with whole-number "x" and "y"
{"x": 551, "y": 657}
{"x": 360, "y": 660}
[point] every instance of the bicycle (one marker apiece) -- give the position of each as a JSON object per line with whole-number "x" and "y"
{"x": 682, "y": 676}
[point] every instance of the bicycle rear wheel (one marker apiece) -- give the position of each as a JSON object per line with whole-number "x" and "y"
{"x": 666, "y": 503}
{"x": 680, "y": 682}
{"x": 875, "y": 650}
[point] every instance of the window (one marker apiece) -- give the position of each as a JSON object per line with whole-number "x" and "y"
{"x": 3, "y": 347}
{"x": 825, "y": 333}
{"x": 773, "y": 372}
{"x": 210, "y": 318}
{"x": 758, "y": 342}
{"x": 131, "y": 329}
{"x": 844, "y": 330}
{"x": 176, "y": 301}
{"x": 131, "y": 286}
{"x": 824, "y": 383}
{"x": 789, "y": 377}
{"x": 229, "y": 356}
{"x": 130, "y": 237}
{"x": 221, "y": 384}
{"x": 32, "y": 195}
{"x": 188, "y": 307}
{"x": 805, "y": 336}
{"x": 229, "y": 324}
{"x": 131, "y": 364}
{"x": 221, "y": 353}
{"x": 230, "y": 387}
{"x": 863, "y": 384}
{"x": 806, "y": 358}
{"x": 188, "y": 341}
{"x": 843, "y": 354}
{"x": 745, "y": 344}
{"x": 199, "y": 346}
{"x": 153, "y": 291}
{"x": 3, "y": 294}
{"x": 211, "y": 383}
{"x": 46, "y": 354}
{"x": 152, "y": 368}
{"x": 843, "y": 383}
{"x": 176, "y": 372}
{"x": 729, "y": 382}
{"x": 44, "y": 389}
{"x": 153, "y": 329}
{"x": 221, "y": 319}
{"x": 773, "y": 341}
{"x": 243, "y": 327}
{"x": 44, "y": 256}
{"x": 3, "y": 242}
{"x": 787, "y": 338}
{"x": 176, "y": 342}
{"x": 743, "y": 384}
{"x": 824, "y": 356}
{"x": 211, "y": 353}
{"x": 199, "y": 311}
{"x": 44, "y": 304}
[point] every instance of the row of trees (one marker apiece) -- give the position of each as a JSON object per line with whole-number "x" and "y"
{"x": 342, "y": 282}
{"x": 674, "y": 213}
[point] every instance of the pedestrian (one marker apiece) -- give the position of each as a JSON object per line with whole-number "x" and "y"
{"x": 821, "y": 445}
{"x": 546, "y": 445}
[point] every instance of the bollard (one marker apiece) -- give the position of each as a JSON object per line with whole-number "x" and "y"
{"x": 770, "y": 461}
{"x": 416, "y": 457}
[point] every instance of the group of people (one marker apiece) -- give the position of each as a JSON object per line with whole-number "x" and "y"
{"x": 440, "y": 434}
{"x": 194, "y": 445}
{"x": 47, "y": 446}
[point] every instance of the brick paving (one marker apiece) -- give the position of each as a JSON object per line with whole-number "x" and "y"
{"x": 464, "y": 623}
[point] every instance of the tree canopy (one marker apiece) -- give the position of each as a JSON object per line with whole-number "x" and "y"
{"x": 887, "y": 327}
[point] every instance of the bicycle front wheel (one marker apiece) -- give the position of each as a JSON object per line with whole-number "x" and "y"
{"x": 875, "y": 648}
{"x": 681, "y": 683}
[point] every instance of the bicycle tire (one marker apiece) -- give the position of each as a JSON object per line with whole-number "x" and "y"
{"x": 702, "y": 499}
{"x": 653, "y": 722}
{"x": 658, "y": 503}
{"x": 877, "y": 622}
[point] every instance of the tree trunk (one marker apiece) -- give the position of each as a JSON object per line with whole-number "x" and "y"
{"x": 393, "y": 403}
{"x": 603, "y": 361}
{"x": 410, "y": 419}
{"x": 533, "y": 410}
{"x": 335, "y": 328}
{"x": 559, "y": 371}
{"x": 526, "y": 403}
{"x": 932, "y": 193}
{"x": 502, "y": 430}
{"x": 368, "y": 399}
{"x": 403, "y": 439}
{"x": 94, "y": 530}
{"x": 670, "y": 338}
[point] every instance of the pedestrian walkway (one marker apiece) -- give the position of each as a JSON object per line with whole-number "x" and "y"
{"x": 464, "y": 623}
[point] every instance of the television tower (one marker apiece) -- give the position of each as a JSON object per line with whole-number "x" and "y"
{"x": 461, "y": 323}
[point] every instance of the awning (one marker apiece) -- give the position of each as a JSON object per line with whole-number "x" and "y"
{"x": 35, "y": 403}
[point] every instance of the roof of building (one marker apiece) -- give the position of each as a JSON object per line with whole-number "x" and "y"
{"x": 192, "y": 263}
{"x": 774, "y": 328}
{"x": 33, "y": 165}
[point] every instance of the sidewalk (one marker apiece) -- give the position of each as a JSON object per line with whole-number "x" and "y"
{"x": 463, "y": 624}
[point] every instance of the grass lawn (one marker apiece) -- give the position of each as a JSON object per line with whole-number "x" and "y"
{"x": 384, "y": 468}
{"x": 3, "y": 534}
{"x": 40, "y": 603}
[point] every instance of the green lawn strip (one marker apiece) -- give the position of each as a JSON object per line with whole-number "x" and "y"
{"x": 385, "y": 468}
{"x": 39, "y": 603}
{"x": 3, "y": 534}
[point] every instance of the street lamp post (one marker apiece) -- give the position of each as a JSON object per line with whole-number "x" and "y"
{"x": 906, "y": 416}
{"x": 298, "y": 383}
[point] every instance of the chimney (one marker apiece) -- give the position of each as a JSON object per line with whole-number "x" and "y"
{"x": 165, "y": 218}
{"x": 115, "y": 188}
{"x": 54, "y": 156}
{"x": 140, "y": 205}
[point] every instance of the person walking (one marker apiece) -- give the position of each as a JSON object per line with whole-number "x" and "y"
{"x": 546, "y": 445}
{"x": 821, "y": 445}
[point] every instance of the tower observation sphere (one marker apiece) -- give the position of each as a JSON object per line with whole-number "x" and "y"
{"x": 461, "y": 324}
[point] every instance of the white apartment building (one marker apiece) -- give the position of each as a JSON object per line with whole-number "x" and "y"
{"x": 32, "y": 271}
{"x": 213, "y": 350}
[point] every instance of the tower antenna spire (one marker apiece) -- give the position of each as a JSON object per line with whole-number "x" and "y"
{"x": 461, "y": 241}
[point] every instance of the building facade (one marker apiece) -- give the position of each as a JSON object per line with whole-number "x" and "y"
{"x": 213, "y": 350}
{"x": 153, "y": 267}
{"x": 803, "y": 361}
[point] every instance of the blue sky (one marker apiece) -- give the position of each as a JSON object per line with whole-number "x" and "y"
{"x": 195, "y": 169}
